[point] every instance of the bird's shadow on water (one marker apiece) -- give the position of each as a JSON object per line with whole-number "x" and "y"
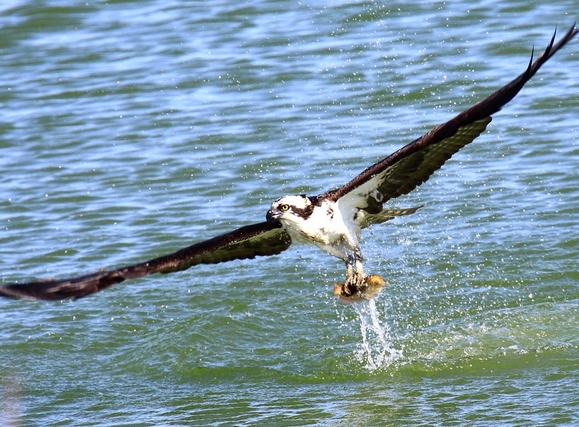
{"x": 375, "y": 351}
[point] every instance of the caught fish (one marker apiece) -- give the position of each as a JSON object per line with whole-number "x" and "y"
{"x": 372, "y": 286}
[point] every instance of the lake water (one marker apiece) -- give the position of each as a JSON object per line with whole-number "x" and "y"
{"x": 132, "y": 129}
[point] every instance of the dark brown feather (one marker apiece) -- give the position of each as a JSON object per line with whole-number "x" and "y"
{"x": 265, "y": 238}
{"x": 413, "y": 164}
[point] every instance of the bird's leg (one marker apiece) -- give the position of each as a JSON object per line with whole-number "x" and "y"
{"x": 354, "y": 273}
{"x": 359, "y": 267}
{"x": 350, "y": 273}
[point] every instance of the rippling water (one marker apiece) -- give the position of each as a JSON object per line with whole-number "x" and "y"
{"x": 131, "y": 129}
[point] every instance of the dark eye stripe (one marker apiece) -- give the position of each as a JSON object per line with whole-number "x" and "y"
{"x": 305, "y": 212}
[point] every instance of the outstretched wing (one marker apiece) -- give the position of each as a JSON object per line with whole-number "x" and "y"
{"x": 264, "y": 238}
{"x": 413, "y": 164}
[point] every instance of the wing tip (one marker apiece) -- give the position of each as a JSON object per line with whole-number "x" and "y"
{"x": 54, "y": 290}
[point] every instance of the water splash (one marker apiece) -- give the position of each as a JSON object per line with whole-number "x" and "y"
{"x": 375, "y": 350}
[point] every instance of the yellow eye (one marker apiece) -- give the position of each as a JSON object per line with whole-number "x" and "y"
{"x": 284, "y": 208}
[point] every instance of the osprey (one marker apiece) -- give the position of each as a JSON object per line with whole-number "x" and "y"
{"x": 332, "y": 220}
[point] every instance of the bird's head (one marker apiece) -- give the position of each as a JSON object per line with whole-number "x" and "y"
{"x": 290, "y": 209}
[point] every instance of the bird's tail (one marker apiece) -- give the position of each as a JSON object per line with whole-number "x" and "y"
{"x": 386, "y": 215}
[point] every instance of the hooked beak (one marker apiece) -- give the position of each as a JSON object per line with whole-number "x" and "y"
{"x": 272, "y": 215}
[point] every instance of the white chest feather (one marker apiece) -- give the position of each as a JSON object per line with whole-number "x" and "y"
{"x": 328, "y": 227}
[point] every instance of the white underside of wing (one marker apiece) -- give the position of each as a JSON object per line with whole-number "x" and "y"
{"x": 351, "y": 203}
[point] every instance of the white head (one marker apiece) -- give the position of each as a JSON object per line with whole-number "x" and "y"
{"x": 290, "y": 209}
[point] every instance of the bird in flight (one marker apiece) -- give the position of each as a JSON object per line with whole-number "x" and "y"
{"x": 331, "y": 221}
